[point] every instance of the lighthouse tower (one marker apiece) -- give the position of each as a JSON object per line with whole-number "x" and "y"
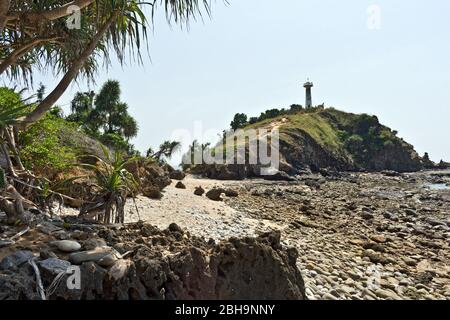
{"x": 308, "y": 85}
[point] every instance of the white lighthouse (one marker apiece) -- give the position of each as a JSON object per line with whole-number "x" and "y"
{"x": 308, "y": 85}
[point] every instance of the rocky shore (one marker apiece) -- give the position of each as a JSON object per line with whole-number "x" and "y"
{"x": 363, "y": 236}
{"x": 331, "y": 236}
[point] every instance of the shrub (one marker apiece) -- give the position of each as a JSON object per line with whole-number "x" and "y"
{"x": 42, "y": 148}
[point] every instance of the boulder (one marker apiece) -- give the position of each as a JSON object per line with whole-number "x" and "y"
{"x": 152, "y": 192}
{"x": 231, "y": 193}
{"x": 177, "y": 175}
{"x": 215, "y": 194}
{"x": 180, "y": 185}
{"x": 199, "y": 191}
{"x": 15, "y": 260}
{"x": 54, "y": 266}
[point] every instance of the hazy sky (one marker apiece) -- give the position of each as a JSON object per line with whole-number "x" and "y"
{"x": 255, "y": 54}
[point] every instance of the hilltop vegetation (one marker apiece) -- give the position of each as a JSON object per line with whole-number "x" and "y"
{"x": 346, "y": 141}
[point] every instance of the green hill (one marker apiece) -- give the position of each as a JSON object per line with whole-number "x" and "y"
{"x": 321, "y": 138}
{"x": 346, "y": 141}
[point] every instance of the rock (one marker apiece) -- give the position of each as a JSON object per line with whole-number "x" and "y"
{"x": 152, "y": 192}
{"x": 378, "y": 238}
{"x": 374, "y": 246}
{"x": 54, "y": 266}
{"x": 119, "y": 269}
{"x": 67, "y": 245}
{"x": 87, "y": 256}
{"x": 231, "y": 193}
{"x": 177, "y": 175}
{"x": 375, "y": 257}
{"x": 410, "y": 262}
{"x": 47, "y": 228}
{"x": 215, "y": 194}
{"x": 435, "y": 222}
{"x": 329, "y": 296}
{"x": 410, "y": 212}
{"x": 46, "y": 254}
{"x": 93, "y": 243}
{"x": 367, "y": 215}
{"x": 387, "y": 294}
{"x": 15, "y": 260}
{"x": 279, "y": 176}
{"x": 238, "y": 269}
{"x": 173, "y": 227}
{"x": 107, "y": 261}
{"x": 199, "y": 191}
{"x": 180, "y": 185}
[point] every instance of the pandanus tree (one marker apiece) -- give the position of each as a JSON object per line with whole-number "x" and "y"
{"x": 35, "y": 36}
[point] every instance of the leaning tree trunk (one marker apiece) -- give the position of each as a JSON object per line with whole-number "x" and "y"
{"x": 4, "y": 8}
{"x": 62, "y": 86}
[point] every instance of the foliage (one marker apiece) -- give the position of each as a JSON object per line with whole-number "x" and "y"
{"x": 105, "y": 117}
{"x": 166, "y": 150}
{"x": 2, "y": 178}
{"x": 239, "y": 121}
{"x": 43, "y": 150}
{"x": 114, "y": 183}
{"x": 12, "y": 107}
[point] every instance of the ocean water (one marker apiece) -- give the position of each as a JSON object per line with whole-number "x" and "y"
{"x": 437, "y": 186}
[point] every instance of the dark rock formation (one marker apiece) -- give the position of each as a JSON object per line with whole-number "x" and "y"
{"x": 177, "y": 175}
{"x": 180, "y": 185}
{"x": 199, "y": 191}
{"x": 172, "y": 265}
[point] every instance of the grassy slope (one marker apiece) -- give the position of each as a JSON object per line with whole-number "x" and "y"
{"x": 329, "y": 128}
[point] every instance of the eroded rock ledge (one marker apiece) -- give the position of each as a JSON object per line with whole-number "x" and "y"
{"x": 169, "y": 264}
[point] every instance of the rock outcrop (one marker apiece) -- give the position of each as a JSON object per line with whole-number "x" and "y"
{"x": 326, "y": 139}
{"x": 154, "y": 264}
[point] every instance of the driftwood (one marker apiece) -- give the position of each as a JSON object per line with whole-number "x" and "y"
{"x": 12, "y": 203}
{"x": 39, "y": 285}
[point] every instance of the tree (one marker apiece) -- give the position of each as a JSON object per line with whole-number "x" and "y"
{"x": 253, "y": 120}
{"x": 104, "y": 116}
{"x": 81, "y": 106}
{"x": 239, "y": 121}
{"x": 110, "y": 114}
{"x": 40, "y": 93}
{"x": 295, "y": 108}
{"x": 34, "y": 34}
{"x": 166, "y": 150}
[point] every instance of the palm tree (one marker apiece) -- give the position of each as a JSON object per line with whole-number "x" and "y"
{"x": 114, "y": 183}
{"x": 166, "y": 150}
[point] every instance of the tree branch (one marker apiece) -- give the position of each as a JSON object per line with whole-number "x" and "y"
{"x": 49, "y": 15}
{"x": 20, "y": 51}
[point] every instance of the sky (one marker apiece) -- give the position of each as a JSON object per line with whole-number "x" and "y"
{"x": 390, "y": 58}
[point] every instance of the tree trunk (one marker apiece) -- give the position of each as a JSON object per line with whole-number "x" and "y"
{"x": 4, "y": 8}
{"x": 49, "y": 15}
{"x": 62, "y": 86}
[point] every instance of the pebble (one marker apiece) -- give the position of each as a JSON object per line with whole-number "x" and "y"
{"x": 67, "y": 245}
{"x": 387, "y": 294}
